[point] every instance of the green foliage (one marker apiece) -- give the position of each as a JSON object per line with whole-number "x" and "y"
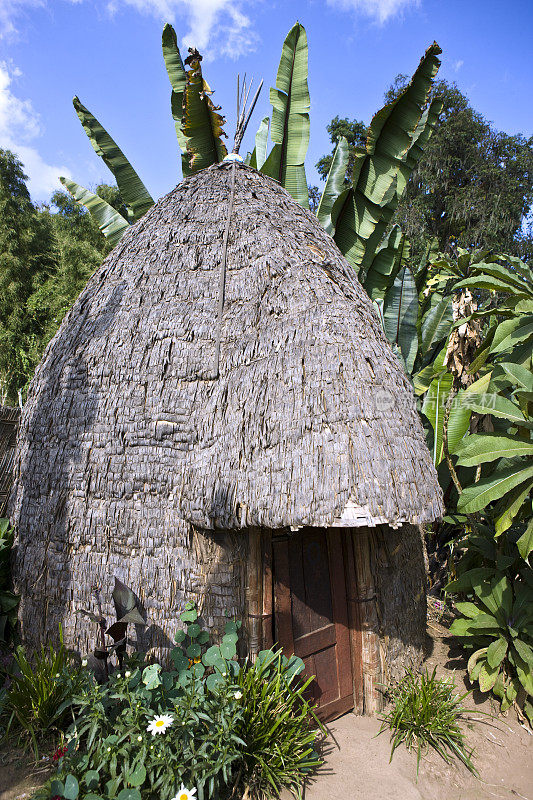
{"x": 202, "y": 125}
{"x": 497, "y": 624}
{"x": 202, "y": 721}
{"x": 8, "y": 600}
{"x": 133, "y": 191}
{"x": 290, "y": 117}
{"x": 39, "y": 694}
{"x": 28, "y": 254}
{"x": 275, "y": 724}
{"x": 426, "y": 712}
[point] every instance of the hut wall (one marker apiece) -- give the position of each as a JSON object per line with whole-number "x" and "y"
{"x": 162, "y": 559}
{"x": 9, "y": 420}
{"x": 400, "y": 577}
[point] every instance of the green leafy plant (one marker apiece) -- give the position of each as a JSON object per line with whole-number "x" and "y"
{"x": 8, "y": 600}
{"x": 426, "y": 712}
{"x": 275, "y": 723}
{"x": 498, "y": 626}
{"x": 203, "y": 722}
{"x": 39, "y": 693}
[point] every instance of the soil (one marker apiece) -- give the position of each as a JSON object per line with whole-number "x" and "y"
{"x": 357, "y": 761}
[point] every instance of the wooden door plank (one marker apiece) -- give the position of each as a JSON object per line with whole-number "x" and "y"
{"x": 282, "y": 594}
{"x": 315, "y": 641}
{"x": 268, "y": 590}
{"x": 340, "y": 613}
{"x": 354, "y": 621}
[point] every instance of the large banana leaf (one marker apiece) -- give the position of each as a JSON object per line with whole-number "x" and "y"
{"x": 436, "y": 324}
{"x": 483, "y": 447}
{"x": 258, "y": 157}
{"x": 202, "y": 124}
{"x": 290, "y": 117}
{"x": 178, "y": 79}
{"x": 508, "y": 508}
{"x": 434, "y": 408}
{"x": 132, "y": 189}
{"x": 334, "y": 185}
{"x": 393, "y": 147}
{"x": 111, "y": 223}
{"x": 400, "y": 316}
{"x": 390, "y": 256}
{"x": 476, "y": 497}
{"x": 423, "y": 132}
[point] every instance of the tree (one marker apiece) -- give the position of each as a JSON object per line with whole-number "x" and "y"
{"x": 354, "y": 131}
{"x": 81, "y": 248}
{"x": 28, "y": 255}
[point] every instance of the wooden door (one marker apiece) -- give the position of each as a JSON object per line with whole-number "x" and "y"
{"x": 311, "y": 614}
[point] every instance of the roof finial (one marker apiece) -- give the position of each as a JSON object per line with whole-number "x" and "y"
{"x": 243, "y": 118}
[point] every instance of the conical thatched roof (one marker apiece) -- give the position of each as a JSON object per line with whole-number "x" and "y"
{"x": 311, "y": 420}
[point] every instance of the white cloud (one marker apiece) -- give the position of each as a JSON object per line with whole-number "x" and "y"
{"x": 380, "y": 10}
{"x": 10, "y": 10}
{"x": 458, "y": 64}
{"x": 216, "y": 27}
{"x": 19, "y": 127}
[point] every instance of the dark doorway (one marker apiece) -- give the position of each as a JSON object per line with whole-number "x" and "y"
{"x": 311, "y": 613}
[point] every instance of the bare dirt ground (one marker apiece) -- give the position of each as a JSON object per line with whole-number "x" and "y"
{"x": 357, "y": 763}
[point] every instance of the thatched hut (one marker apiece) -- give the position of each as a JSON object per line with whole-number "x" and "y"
{"x": 221, "y": 418}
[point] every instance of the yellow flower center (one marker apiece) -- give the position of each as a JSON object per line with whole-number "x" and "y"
{"x": 159, "y": 724}
{"x": 183, "y": 796}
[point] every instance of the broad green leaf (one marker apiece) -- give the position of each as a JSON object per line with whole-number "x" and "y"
{"x": 434, "y": 408}
{"x": 422, "y": 379}
{"x": 518, "y": 375}
{"x": 487, "y": 677}
{"x": 468, "y": 609}
{"x": 504, "y": 274}
{"x": 334, "y": 186}
{"x": 474, "y": 658}
{"x": 390, "y": 256}
{"x": 178, "y": 79}
{"x": 508, "y": 508}
{"x": 480, "y": 448}
{"x": 400, "y": 315}
{"x": 290, "y": 116}
{"x": 458, "y": 422}
{"x": 525, "y": 543}
{"x": 524, "y": 672}
{"x": 381, "y": 169}
{"x": 138, "y": 776}
{"x": 487, "y": 282}
{"x": 72, "y": 789}
{"x": 480, "y": 494}
{"x": 524, "y": 651}
{"x": 436, "y": 324}
{"x": 261, "y": 141}
{"x": 495, "y": 404}
{"x": 521, "y": 334}
{"x": 111, "y": 223}
{"x": 496, "y": 652}
{"x": 132, "y": 189}
{"x": 202, "y": 124}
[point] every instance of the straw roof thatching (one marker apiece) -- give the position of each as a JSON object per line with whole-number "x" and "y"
{"x": 311, "y": 420}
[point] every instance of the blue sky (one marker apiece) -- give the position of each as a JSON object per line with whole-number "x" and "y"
{"x": 109, "y": 53}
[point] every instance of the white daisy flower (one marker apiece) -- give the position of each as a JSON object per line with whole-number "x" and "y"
{"x": 237, "y": 695}
{"x": 185, "y": 794}
{"x": 127, "y": 674}
{"x": 84, "y": 662}
{"x": 160, "y": 724}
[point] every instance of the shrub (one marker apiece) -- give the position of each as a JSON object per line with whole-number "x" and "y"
{"x": 204, "y": 723}
{"x": 498, "y": 626}
{"x": 274, "y": 724}
{"x": 39, "y": 693}
{"x": 425, "y": 713}
{"x": 8, "y": 600}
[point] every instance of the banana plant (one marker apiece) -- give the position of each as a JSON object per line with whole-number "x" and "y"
{"x": 290, "y": 117}
{"x": 202, "y": 124}
{"x": 394, "y": 144}
{"x": 178, "y": 79}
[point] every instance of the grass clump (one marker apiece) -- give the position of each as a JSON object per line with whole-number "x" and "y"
{"x": 426, "y": 712}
